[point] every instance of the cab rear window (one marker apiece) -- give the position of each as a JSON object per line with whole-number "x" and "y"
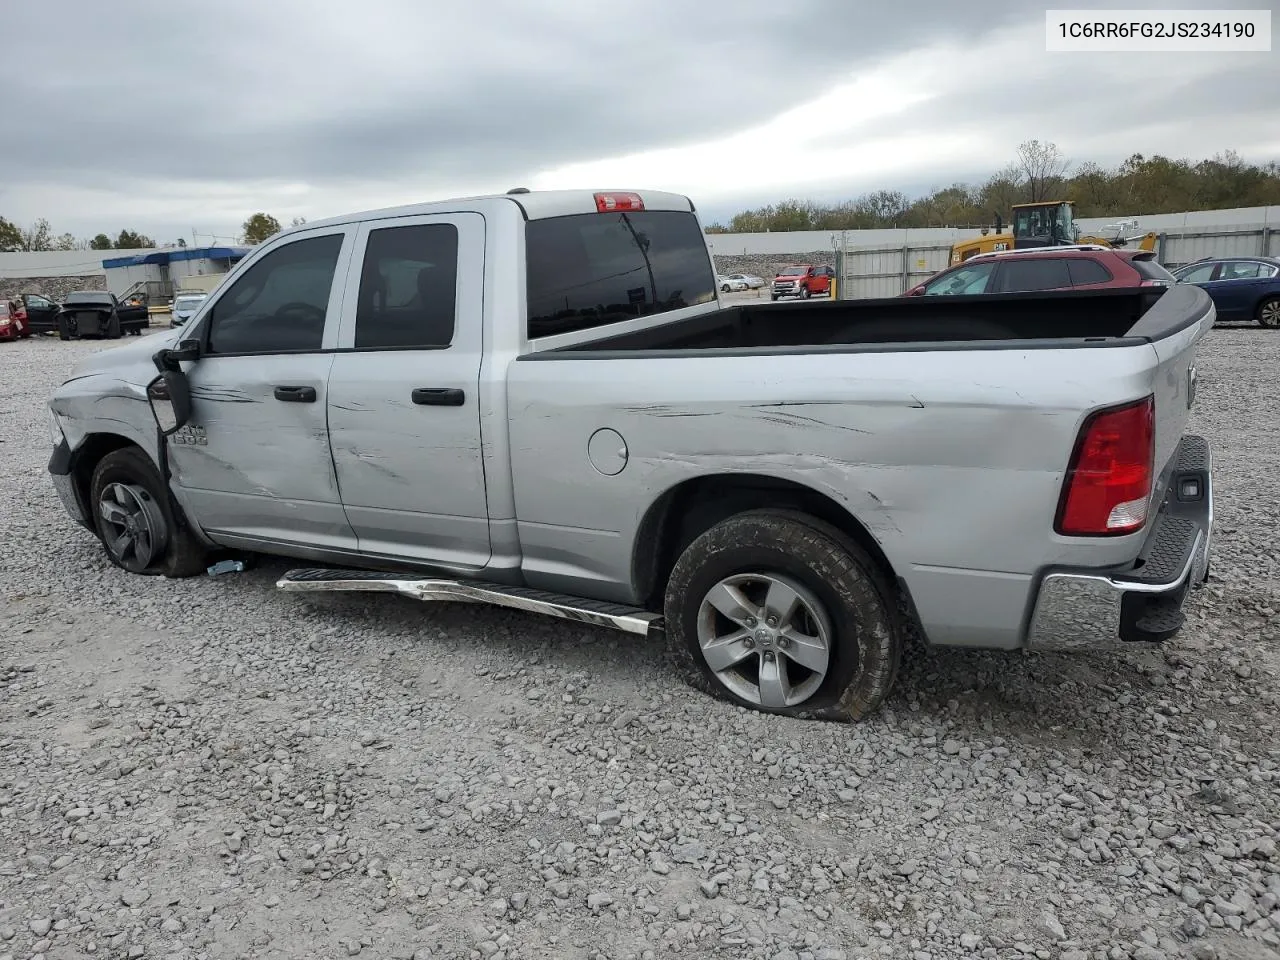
{"x": 593, "y": 269}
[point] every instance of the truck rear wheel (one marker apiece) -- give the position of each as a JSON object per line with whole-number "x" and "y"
{"x": 780, "y": 612}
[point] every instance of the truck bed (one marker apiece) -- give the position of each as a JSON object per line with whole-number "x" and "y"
{"x": 1056, "y": 318}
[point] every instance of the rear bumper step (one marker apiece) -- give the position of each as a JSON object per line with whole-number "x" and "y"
{"x": 612, "y": 615}
{"x": 1093, "y": 609}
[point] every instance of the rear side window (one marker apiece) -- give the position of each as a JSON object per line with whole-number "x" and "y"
{"x": 1150, "y": 270}
{"x": 593, "y": 269}
{"x": 408, "y": 287}
{"x": 1085, "y": 271}
{"x": 1200, "y": 274}
{"x": 1042, "y": 273}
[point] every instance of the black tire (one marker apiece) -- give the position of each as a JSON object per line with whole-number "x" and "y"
{"x": 804, "y": 293}
{"x": 112, "y": 329}
{"x": 173, "y": 550}
{"x": 864, "y": 612}
{"x": 773, "y": 296}
{"x": 1269, "y": 313}
{"x": 64, "y": 329}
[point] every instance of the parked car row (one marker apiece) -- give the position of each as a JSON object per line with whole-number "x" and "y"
{"x": 1241, "y": 288}
{"x": 82, "y": 313}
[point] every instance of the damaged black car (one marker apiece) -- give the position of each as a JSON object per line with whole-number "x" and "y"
{"x": 97, "y": 313}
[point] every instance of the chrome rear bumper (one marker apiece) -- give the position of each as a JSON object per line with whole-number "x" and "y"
{"x": 1099, "y": 609}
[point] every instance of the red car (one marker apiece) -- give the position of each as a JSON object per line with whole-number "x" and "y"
{"x": 1048, "y": 268}
{"x": 13, "y": 320}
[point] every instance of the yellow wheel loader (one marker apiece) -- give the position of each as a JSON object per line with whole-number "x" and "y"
{"x": 1050, "y": 223}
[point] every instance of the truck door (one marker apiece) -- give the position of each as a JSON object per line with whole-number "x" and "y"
{"x": 404, "y": 403}
{"x": 253, "y": 461}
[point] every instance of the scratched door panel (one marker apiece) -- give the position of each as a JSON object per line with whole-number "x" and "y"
{"x": 263, "y": 469}
{"x": 254, "y": 459}
{"x": 404, "y": 410}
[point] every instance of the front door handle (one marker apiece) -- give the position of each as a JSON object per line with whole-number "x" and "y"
{"x": 296, "y": 394}
{"x": 438, "y": 397}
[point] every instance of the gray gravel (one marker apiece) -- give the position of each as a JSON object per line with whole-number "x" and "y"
{"x": 208, "y": 768}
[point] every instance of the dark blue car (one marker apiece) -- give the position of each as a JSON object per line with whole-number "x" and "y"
{"x": 1242, "y": 288}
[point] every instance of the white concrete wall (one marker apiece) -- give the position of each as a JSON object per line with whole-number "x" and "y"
{"x": 59, "y": 263}
{"x": 195, "y": 268}
{"x": 120, "y": 279}
{"x": 809, "y": 241}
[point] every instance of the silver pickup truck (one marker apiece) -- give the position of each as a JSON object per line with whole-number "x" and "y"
{"x": 537, "y": 400}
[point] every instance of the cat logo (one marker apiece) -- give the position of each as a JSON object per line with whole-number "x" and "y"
{"x": 190, "y": 435}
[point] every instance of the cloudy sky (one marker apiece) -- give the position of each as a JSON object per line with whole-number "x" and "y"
{"x": 168, "y": 117}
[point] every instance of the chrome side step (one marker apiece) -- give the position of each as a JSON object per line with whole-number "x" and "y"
{"x": 612, "y": 615}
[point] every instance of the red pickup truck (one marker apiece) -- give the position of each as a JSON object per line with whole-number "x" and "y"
{"x": 802, "y": 280}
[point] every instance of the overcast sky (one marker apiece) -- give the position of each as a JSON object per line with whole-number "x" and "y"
{"x": 168, "y": 117}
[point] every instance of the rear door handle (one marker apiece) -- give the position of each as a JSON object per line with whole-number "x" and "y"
{"x": 438, "y": 397}
{"x": 296, "y": 394}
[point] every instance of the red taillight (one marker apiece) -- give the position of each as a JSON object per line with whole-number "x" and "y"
{"x": 615, "y": 202}
{"x": 1108, "y": 484}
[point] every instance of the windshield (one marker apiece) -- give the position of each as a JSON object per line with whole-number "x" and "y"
{"x": 187, "y": 303}
{"x": 88, "y": 297}
{"x": 794, "y": 272}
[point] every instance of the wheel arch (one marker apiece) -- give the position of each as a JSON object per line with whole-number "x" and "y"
{"x": 693, "y": 506}
{"x": 86, "y": 457}
{"x": 1256, "y": 312}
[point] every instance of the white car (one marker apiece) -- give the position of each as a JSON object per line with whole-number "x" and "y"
{"x": 184, "y": 307}
{"x": 753, "y": 282}
{"x": 727, "y": 284}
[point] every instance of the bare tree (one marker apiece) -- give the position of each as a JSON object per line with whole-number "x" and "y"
{"x": 38, "y": 236}
{"x": 1042, "y": 165}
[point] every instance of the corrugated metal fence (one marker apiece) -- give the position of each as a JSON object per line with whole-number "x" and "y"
{"x": 889, "y": 271}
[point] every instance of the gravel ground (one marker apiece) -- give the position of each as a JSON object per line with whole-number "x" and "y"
{"x": 209, "y": 768}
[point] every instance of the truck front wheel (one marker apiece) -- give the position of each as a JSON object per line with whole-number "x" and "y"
{"x": 804, "y": 293}
{"x": 142, "y": 530}
{"x": 780, "y": 612}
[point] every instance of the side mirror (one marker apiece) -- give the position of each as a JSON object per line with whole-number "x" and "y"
{"x": 168, "y": 360}
{"x": 170, "y": 397}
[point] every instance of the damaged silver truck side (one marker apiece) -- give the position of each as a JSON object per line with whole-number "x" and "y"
{"x": 537, "y": 400}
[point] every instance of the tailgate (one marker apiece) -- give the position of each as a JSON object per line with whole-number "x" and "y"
{"x": 1175, "y": 325}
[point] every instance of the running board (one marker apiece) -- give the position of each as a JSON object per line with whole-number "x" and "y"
{"x": 595, "y": 612}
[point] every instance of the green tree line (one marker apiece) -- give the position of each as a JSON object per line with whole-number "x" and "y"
{"x": 39, "y": 236}
{"x": 1139, "y": 185}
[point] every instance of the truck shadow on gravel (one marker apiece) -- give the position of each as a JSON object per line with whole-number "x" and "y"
{"x": 1064, "y": 698}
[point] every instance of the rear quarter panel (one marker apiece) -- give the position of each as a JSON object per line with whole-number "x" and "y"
{"x": 952, "y": 460}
